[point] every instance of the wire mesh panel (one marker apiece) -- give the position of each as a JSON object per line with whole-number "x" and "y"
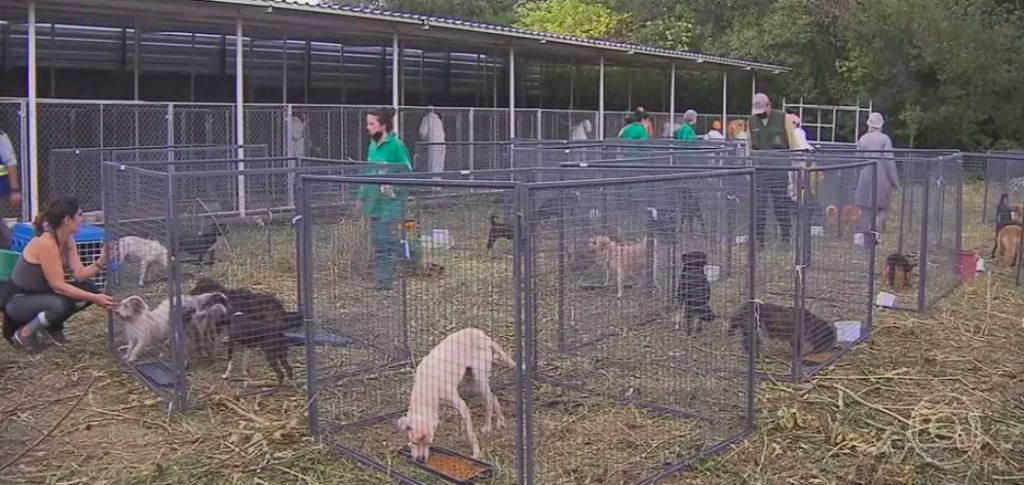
{"x": 203, "y": 124}
{"x": 461, "y": 156}
{"x": 272, "y": 127}
{"x": 318, "y": 132}
{"x": 833, "y": 271}
{"x": 635, "y": 348}
{"x": 143, "y": 333}
{"x": 405, "y": 297}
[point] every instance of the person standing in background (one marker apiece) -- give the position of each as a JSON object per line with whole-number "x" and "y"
{"x": 634, "y": 129}
{"x": 432, "y": 132}
{"x": 715, "y": 133}
{"x": 877, "y": 145}
{"x": 686, "y": 132}
{"x": 581, "y": 131}
{"x": 10, "y": 185}
{"x": 770, "y": 129}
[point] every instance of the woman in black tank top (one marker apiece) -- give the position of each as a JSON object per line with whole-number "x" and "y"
{"x": 38, "y": 296}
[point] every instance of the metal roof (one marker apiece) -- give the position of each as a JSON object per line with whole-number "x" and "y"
{"x": 368, "y": 13}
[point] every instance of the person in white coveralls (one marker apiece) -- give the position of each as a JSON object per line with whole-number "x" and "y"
{"x": 432, "y": 131}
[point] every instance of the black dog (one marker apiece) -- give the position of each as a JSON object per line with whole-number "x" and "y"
{"x": 261, "y": 325}
{"x": 778, "y": 322}
{"x": 202, "y": 243}
{"x": 694, "y": 292}
{"x": 1003, "y": 210}
{"x": 499, "y": 230}
{"x": 689, "y": 209}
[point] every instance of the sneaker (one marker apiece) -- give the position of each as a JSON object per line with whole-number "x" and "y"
{"x": 57, "y": 336}
{"x": 30, "y": 343}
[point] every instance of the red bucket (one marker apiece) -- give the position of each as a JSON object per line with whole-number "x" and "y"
{"x": 968, "y": 265}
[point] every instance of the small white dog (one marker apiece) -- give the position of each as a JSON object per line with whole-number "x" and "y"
{"x": 621, "y": 258}
{"x": 143, "y": 326}
{"x": 466, "y": 352}
{"x": 145, "y": 251}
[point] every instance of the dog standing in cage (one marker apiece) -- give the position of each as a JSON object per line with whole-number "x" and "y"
{"x": 467, "y": 353}
{"x": 145, "y": 251}
{"x": 145, "y": 326}
{"x": 621, "y": 258}
{"x": 694, "y": 292}
{"x": 779, "y": 322}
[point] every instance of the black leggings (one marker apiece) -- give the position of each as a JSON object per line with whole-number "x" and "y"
{"x": 21, "y": 308}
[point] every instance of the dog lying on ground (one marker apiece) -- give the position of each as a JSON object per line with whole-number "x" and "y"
{"x": 144, "y": 326}
{"x": 694, "y": 291}
{"x": 499, "y": 230}
{"x": 466, "y": 352}
{"x": 777, "y": 322}
{"x": 851, "y": 215}
{"x": 202, "y": 244}
{"x": 145, "y": 251}
{"x": 621, "y": 258}
{"x": 1007, "y": 242}
{"x": 897, "y": 271}
{"x": 261, "y": 325}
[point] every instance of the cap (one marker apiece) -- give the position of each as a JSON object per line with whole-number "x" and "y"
{"x": 761, "y": 103}
{"x": 875, "y": 120}
{"x": 690, "y": 115}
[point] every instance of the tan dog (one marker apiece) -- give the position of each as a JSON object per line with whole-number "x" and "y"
{"x": 1007, "y": 243}
{"x": 467, "y": 352}
{"x": 620, "y": 258}
{"x": 850, "y": 215}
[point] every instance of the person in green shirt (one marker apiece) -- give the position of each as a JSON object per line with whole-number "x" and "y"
{"x": 384, "y": 205}
{"x": 686, "y": 132}
{"x": 634, "y": 129}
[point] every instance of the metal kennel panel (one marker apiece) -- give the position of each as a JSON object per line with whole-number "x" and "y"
{"x": 463, "y": 155}
{"x": 399, "y": 265}
{"x": 602, "y": 360}
{"x": 138, "y": 201}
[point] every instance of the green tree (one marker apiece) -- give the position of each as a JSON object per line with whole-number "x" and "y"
{"x": 572, "y": 17}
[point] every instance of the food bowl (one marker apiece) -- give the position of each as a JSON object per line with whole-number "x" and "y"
{"x": 454, "y": 467}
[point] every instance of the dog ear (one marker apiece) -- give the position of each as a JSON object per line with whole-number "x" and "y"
{"x": 404, "y": 425}
{"x": 136, "y": 304}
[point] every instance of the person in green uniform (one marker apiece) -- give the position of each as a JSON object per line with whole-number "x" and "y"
{"x": 634, "y": 129}
{"x": 686, "y": 131}
{"x": 384, "y": 205}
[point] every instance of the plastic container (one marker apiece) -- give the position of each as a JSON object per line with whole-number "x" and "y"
{"x": 7, "y": 260}
{"x": 88, "y": 240}
{"x": 848, "y": 331}
{"x": 968, "y": 261}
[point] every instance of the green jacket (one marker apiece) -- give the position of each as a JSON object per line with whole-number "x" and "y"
{"x": 634, "y": 131}
{"x": 389, "y": 151}
{"x": 685, "y": 132}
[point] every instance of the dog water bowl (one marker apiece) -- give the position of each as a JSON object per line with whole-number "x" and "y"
{"x": 817, "y": 231}
{"x": 848, "y": 331}
{"x": 454, "y": 467}
{"x": 158, "y": 374}
{"x": 885, "y": 300}
{"x": 713, "y": 272}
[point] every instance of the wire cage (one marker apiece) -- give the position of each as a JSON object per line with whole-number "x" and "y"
{"x": 203, "y": 255}
{"x": 511, "y": 254}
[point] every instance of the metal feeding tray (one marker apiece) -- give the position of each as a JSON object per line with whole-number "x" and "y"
{"x": 442, "y": 461}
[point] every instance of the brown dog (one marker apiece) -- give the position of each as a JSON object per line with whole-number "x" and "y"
{"x": 622, "y": 258}
{"x": 1007, "y": 242}
{"x": 850, "y": 215}
{"x": 897, "y": 271}
{"x": 777, "y": 322}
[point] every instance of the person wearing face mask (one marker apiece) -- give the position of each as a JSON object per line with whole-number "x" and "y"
{"x": 384, "y": 205}
{"x": 770, "y": 129}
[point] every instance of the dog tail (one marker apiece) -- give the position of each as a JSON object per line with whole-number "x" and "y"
{"x": 293, "y": 320}
{"x": 832, "y": 213}
{"x": 502, "y": 356}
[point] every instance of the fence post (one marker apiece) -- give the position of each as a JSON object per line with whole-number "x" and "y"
{"x": 290, "y": 152}
{"x": 923, "y": 266}
{"x": 170, "y": 124}
{"x": 472, "y": 139}
{"x": 27, "y": 196}
{"x": 798, "y": 234}
{"x": 305, "y": 267}
{"x": 538, "y": 132}
{"x": 174, "y": 289}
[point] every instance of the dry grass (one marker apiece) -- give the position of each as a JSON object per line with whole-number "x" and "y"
{"x": 930, "y": 399}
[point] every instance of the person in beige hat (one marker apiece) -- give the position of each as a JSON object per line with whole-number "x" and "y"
{"x": 769, "y": 129}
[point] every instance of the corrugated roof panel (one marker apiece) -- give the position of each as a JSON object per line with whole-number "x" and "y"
{"x": 336, "y": 8}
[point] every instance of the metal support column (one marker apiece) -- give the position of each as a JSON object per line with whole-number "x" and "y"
{"x": 395, "y": 82}
{"x": 511, "y": 93}
{"x": 600, "y": 100}
{"x": 240, "y": 113}
{"x": 33, "y": 111}
{"x": 672, "y": 99}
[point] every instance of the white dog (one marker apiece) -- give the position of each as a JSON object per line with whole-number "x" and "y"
{"x": 143, "y": 326}
{"x": 461, "y": 354}
{"x": 145, "y": 251}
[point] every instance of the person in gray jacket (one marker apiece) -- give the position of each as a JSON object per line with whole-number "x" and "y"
{"x": 877, "y": 145}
